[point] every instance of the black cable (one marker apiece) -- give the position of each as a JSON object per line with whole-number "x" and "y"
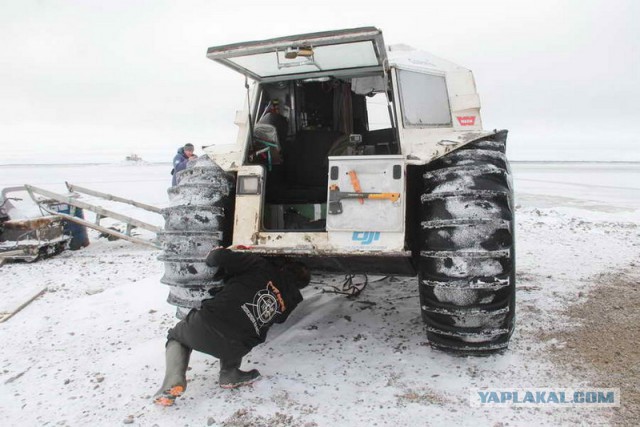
{"x": 348, "y": 288}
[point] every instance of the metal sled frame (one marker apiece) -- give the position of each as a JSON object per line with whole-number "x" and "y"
{"x": 99, "y": 211}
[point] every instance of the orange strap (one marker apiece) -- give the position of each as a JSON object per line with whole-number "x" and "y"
{"x": 356, "y": 184}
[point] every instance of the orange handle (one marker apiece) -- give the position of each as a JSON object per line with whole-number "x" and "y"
{"x": 385, "y": 196}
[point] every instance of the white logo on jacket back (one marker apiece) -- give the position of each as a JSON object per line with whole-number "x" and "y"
{"x": 267, "y": 303}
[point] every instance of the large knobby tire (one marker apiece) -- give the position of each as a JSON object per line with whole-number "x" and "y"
{"x": 197, "y": 221}
{"x": 467, "y": 253}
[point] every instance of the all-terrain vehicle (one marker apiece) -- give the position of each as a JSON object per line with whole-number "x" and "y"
{"x": 355, "y": 157}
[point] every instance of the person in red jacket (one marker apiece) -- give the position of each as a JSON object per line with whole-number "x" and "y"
{"x": 256, "y": 294}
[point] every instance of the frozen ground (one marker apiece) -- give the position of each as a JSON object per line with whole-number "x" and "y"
{"x": 90, "y": 350}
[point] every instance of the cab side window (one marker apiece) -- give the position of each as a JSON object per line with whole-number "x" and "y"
{"x": 424, "y": 99}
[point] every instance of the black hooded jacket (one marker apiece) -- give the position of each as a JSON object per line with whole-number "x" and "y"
{"x": 255, "y": 295}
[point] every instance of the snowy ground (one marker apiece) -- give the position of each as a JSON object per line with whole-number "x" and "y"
{"x": 90, "y": 350}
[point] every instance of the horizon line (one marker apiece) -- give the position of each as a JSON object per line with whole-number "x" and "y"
{"x": 144, "y": 162}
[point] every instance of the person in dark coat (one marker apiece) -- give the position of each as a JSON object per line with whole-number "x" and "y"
{"x": 180, "y": 160}
{"x": 256, "y": 294}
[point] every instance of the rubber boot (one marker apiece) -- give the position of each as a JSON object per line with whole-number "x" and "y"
{"x": 175, "y": 377}
{"x": 231, "y": 376}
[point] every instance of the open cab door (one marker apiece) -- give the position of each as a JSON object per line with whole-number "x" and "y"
{"x": 341, "y": 52}
{"x": 315, "y": 143}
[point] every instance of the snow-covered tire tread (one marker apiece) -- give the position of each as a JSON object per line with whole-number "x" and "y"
{"x": 466, "y": 259}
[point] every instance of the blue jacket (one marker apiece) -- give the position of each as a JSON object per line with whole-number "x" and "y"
{"x": 179, "y": 163}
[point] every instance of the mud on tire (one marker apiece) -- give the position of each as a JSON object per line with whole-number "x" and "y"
{"x": 467, "y": 255}
{"x": 197, "y": 221}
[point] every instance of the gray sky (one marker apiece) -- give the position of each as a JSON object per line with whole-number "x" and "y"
{"x": 97, "y": 80}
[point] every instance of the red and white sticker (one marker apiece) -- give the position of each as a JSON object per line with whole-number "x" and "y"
{"x": 466, "y": 120}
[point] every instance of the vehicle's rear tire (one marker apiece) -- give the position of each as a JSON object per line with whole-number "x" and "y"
{"x": 197, "y": 221}
{"x": 466, "y": 262}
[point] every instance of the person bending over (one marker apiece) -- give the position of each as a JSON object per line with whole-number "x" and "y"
{"x": 255, "y": 295}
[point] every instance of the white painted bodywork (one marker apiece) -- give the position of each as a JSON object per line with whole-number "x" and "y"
{"x": 425, "y": 144}
{"x": 418, "y": 145}
{"x": 368, "y": 225}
